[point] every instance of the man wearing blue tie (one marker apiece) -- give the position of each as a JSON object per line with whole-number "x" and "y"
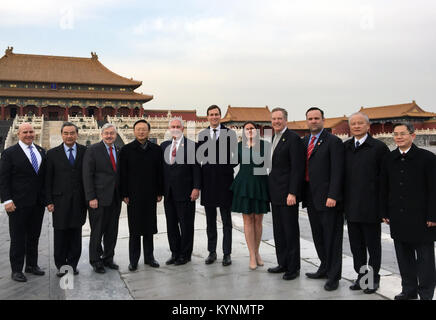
{"x": 22, "y": 170}
{"x": 66, "y": 197}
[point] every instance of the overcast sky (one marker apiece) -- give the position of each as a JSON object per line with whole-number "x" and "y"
{"x": 338, "y": 54}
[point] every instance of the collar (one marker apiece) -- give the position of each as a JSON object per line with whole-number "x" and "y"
{"x": 362, "y": 140}
{"x": 281, "y": 132}
{"x": 107, "y": 147}
{"x": 177, "y": 140}
{"x": 66, "y": 148}
{"x": 409, "y": 152}
{"x": 317, "y": 135}
{"x": 217, "y": 128}
{"x": 404, "y": 151}
{"x": 25, "y": 146}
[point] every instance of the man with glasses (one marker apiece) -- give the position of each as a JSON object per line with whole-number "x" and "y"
{"x": 408, "y": 202}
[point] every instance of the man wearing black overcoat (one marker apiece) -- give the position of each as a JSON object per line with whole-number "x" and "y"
{"x": 322, "y": 195}
{"x": 65, "y": 197}
{"x": 182, "y": 183}
{"x": 363, "y": 159}
{"x": 141, "y": 164}
{"x": 285, "y": 182}
{"x": 217, "y": 149}
{"x": 22, "y": 172}
{"x": 408, "y": 202}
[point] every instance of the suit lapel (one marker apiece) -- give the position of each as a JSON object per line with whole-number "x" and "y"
{"x": 26, "y": 159}
{"x": 282, "y": 141}
{"x": 320, "y": 141}
{"x": 106, "y": 154}
{"x": 62, "y": 155}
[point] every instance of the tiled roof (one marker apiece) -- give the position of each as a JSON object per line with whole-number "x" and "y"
{"x": 242, "y": 114}
{"x": 328, "y": 123}
{"x": 396, "y": 111}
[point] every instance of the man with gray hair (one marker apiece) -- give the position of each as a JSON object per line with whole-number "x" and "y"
{"x": 101, "y": 181}
{"x": 363, "y": 159}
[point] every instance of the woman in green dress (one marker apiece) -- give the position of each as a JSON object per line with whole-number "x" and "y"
{"x": 250, "y": 188}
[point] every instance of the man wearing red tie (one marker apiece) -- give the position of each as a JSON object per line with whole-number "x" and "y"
{"x": 102, "y": 191}
{"x": 322, "y": 195}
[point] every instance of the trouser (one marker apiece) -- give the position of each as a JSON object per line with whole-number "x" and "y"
{"x": 25, "y": 225}
{"x": 416, "y": 262}
{"x": 104, "y": 226}
{"x": 135, "y": 248}
{"x": 180, "y": 217}
{"x": 226, "y": 218}
{"x": 287, "y": 236}
{"x": 327, "y": 232}
{"x": 67, "y": 247}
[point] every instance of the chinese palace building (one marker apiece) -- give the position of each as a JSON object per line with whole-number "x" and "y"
{"x": 55, "y": 87}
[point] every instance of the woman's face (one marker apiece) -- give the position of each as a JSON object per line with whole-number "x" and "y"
{"x": 250, "y": 131}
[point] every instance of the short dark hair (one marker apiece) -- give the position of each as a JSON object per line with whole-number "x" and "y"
{"x": 313, "y": 109}
{"x": 69, "y": 124}
{"x": 213, "y": 107}
{"x": 141, "y": 121}
{"x": 408, "y": 125}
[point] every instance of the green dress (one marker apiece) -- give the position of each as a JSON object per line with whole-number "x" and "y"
{"x": 250, "y": 191}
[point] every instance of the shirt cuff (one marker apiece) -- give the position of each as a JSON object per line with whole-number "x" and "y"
{"x": 6, "y": 202}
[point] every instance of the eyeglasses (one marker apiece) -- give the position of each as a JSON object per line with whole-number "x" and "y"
{"x": 401, "y": 134}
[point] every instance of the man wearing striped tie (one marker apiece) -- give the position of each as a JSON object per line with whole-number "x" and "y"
{"x": 22, "y": 170}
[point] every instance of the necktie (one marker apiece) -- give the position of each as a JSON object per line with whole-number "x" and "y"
{"x": 71, "y": 157}
{"x": 111, "y": 155}
{"x": 309, "y": 152}
{"x": 214, "y": 134}
{"x": 34, "y": 160}
{"x": 357, "y": 144}
{"x": 174, "y": 152}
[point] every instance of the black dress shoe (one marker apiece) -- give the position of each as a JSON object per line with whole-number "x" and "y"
{"x": 316, "y": 275}
{"x": 211, "y": 258}
{"x": 291, "y": 275}
{"x": 406, "y": 296}
{"x": 227, "y": 260}
{"x": 355, "y": 286}
{"x": 18, "y": 276}
{"x": 171, "y": 260}
{"x": 373, "y": 290}
{"x": 181, "y": 261}
{"x": 99, "y": 268}
{"x": 111, "y": 265}
{"x": 76, "y": 272}
{"x": 133, "y": 267}
{"x": 60, "y": 274}
{"x": 152, "y": 263}
{"x": 331, "y": 285}
{"x": 34, "y": 270}
{"x": 278, "y": 269}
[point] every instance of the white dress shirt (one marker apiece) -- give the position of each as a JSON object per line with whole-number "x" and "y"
{"x": 361, "y": 141}
{"x": 177, "y": 147}
{"x": 217, "y": 131}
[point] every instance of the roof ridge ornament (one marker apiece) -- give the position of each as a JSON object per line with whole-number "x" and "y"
{"x": 94, "y": 56}
{"x": 9, "y": 50}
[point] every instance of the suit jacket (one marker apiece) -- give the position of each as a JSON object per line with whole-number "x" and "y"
{"x": 408, "y": 194}
{"x": 18, "y": 180}
{"x": 100, "y": 181}
{"x": 64, "y": 188}
{"x": 326, "y": 170}
{"x": 362, "y": 180}
{"x": 287, "y": 168}
{"x": 217, "y": 178}
{"x": 141, "y": 182}
{"x": 185, "y": 174}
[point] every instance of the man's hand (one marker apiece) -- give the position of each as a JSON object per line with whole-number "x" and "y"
{"x": 10, "y": 207}
{"x": 50, "y": 207}
{"x": 330, "y": 203}
{"x": 93, "y": 204}
{"x": 291, "y": 200}
{"x": 195, "y": 194}
{"x": 126, "y": 200}
{"x": 159, "y": 198}
{"x": 431, "y": 224}
{"x": 386, "y": 221}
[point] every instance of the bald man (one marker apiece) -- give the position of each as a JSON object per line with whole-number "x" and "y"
{"x": 22, "y": 171}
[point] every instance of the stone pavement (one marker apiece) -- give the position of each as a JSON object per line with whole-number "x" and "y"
{"x": 194, "y": 280}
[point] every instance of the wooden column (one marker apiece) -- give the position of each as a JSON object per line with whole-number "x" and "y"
{"x": 141, "y": 111}
{"x": 100, "y": 116}
{"x": 21, "y": 111}
{"x": 84, "y": 111}
{"x": 66, "y": 113}
{"x": 39, "y": 111}
{"x": 131, "y": 112}
{"x": 115, "y": 112}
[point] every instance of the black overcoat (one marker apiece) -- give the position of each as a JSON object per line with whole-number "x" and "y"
{"x": 142, "y": 183}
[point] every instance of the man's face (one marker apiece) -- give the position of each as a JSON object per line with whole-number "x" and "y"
{"x": 109, "y": 135}
{"x": 214, "y": 117}
{"x": 26, "y": 134}
{"x": 141, "y": 131}
{"x": 69, "y": 135}
{"x": 176, "y": 129}
{"x": 315, "y": 121}
{"x": 358, "y": 126}
{"x": 278, "y": 121}
{"x": 403, "y": 138}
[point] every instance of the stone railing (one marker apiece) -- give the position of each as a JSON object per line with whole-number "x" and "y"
{"x": 37, "y": 124}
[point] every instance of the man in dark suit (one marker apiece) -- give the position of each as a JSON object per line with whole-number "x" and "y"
{"x": 217, "y": 147}
{"x": 182, "y": 183}
{"x": 141, "y": 163}
{"x": 66, "y": 198}
{"x": 22, "y": 170}
{"x": 285, "y": 182}
{"x": 363, "y": 158}
{"x": 102, "y": 192}
{"x": 408, "y": 202}
{"x": 322, "y": 194}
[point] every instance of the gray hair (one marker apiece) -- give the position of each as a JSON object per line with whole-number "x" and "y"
{"x": 284, "y": 112}
{"x": 178, "y": 119}
{"x": 69, "y": 124}
{"x": 107, "y": 126}
{"x": 359, "y": 114}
